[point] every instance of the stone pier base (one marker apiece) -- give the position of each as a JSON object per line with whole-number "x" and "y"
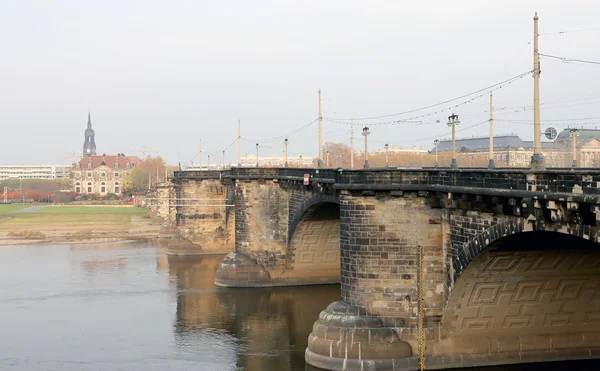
{"x": 346, "y": 338}
{"x": 266, "y": 270}
{"x": 238, "y": 270}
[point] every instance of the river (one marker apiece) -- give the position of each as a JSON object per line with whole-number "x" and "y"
{"x": 129, "y": 306}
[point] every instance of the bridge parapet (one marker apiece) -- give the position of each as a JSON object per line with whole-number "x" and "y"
{"x": 559, "y": 181}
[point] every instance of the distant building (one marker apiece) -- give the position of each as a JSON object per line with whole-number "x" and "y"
{"x": 400, "y": 149}
{"x": 101, "y": 174}
{"x": 512, "y": 151}
{"x": 35, "y": 171}
{"x": 276, "y": 161}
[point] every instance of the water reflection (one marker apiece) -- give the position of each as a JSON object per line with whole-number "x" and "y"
{"x": 267, "y": 327}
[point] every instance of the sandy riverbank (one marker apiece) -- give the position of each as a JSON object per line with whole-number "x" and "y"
{"x": 76, "y": 226}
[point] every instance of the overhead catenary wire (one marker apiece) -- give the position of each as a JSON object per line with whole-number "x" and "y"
{"x": 486, "y": 89}
{"x": 569, "y": 31}
{"x": 413, "y": 120}
{"x": 567, "y": 60}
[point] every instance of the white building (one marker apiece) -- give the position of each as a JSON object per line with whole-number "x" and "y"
{"x": 35, "y": 171}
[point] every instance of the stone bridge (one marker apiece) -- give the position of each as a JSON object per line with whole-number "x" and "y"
{"x": 508, "y": 259}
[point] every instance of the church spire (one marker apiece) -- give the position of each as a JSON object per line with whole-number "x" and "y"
{"x": 89, "y": 145}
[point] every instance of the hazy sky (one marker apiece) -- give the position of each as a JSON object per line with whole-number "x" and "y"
{"x": 164, "y": 74}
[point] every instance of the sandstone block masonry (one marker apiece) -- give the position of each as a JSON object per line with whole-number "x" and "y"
{"x": 204, "y": 215}
{"x": 285, "y": 235}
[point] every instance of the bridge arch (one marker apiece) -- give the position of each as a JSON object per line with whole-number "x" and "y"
{"x": 298, "y": 213}
{"x": 526, "y": 295}
{"x": 314, "y": 240}
{"x": 468, "y": 251}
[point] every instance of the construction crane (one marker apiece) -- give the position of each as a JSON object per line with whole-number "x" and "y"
{"x": 72, "y": 157}
{"x": 144, "y": 150}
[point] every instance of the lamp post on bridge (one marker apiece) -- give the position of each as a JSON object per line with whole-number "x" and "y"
{"x": 387, "y": 164}
{"x": 327, "y": 158}
{"x": 574, "y": 135}
{"x": 365, "y": 134}
{"x": 208, "y": 165}
{"x": 437, "y": 143}
{"x": 453, "y": 121}
{"x": 223, "y": 162}
{"x": 285, "y": 142}
{"x": 256, "y": 154}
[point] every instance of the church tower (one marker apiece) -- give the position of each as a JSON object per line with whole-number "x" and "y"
{"x": 89, "y": 146}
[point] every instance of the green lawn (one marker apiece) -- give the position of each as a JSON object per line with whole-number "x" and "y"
{"x": 9, "y": 208}
{"x": 86, "y": 210}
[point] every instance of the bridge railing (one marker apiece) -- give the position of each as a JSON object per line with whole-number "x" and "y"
{"x": 322, "y": 175}
{"x": 199, "y": 174}
{"x": 586, "y": 181}
{"x": 574, "y": 181}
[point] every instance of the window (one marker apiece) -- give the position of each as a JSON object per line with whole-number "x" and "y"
{"x": 89, "y": 175}
{"x": 116, "y": 175}
{"x": 89, "y": 165}
{"x": 127, "y": 166}
{"x": 77, "y": 189}
{"x": 102, "y": 174}
{"x": 102, "y": 187}
{"x": 116, "y": 165}
{"x": 117, "y": 187}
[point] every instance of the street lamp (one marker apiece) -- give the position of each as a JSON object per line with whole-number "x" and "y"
{"x": 437, "y": 143}
{"x": 285, "y": 142}
{"x": 574, "y": 135}
{"x": 223, "y": 162}
{"x": 387, "y": 164}
{"x": 365, "y": 134}
{"x": 208, "y": 165}
{"x": 327, "y": 158}
{"x": 256, "y": 154}
{"x": 453, "y": 121}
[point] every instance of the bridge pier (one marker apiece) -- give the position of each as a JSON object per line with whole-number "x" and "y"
{"x": 374, "y": 326}
{"x": 286, "y": 233}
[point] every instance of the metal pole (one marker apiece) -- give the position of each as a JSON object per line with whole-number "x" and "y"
{"x": 387, "y": 164}
{"x": 366, "y": 134}
{"x": 351, "y": 144}
{"x": 201, "y": 155}
{"x": 286, "y": 151}
{"x": 453, "y": 163}
{"x": 320, "y": 161}
{"x": 574, "y": 145}
{"x": 256, "y": 154}
{"x": 208, "y": 165}
{"x": 436, "y": 142}
{"x": 491, "y": 163}
{"x": 327, "y": 156}
{"x": 239, "y": 144}
{"x": 537, "y": 160}
{"x": 223, "y": 162}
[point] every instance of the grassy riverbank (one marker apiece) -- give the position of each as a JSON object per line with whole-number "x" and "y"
{"x": 73, "y": 224}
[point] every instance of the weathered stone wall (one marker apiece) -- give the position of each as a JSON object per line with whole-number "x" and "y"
{"x": 202, "y": 215}
{"x": 285, "y": 235}
{"x": 380, "y": 236}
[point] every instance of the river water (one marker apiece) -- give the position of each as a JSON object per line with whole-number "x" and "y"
{"x": 129, "y": 306}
